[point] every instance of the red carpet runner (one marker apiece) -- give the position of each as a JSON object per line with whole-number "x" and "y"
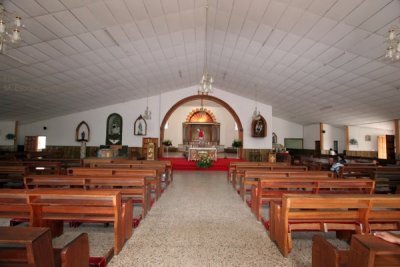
{"x": 182, "y": 164}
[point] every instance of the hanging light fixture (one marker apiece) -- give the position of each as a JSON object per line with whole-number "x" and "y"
{"x": 147, "y": 113}
{"x": 256, "y": 113}
{"x": 393, "y": 44}
{"x": 10, "y": 28}
{"x": 206, "y": 82}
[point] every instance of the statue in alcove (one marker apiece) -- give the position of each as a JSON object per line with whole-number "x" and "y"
{"x": 114, "y": 129}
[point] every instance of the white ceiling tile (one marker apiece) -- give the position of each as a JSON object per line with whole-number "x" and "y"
{"x": 174, "y": 23}
{"x": 382, "y": 17}
{"x": 274, "y": 13}
{"x": 137, "y": 9}
{"x": 33, "y": 9}
{"x": 262, "y": 32}
{"x": 54, "y": 25}
{"x": 320, "y": 7}
{"x": 76, "y": 44}
{"x": 84, "y": 15}
{"x": 289, "y": 18}
{"x": 154, "y": 8}
{"x": 90, "y": 40}
{"x": 120, "y": 11}
{"x": 289, "y": 42}
{"x": 342, "y": 8}
{"x": 102, "y": 12}
{"x": 61, "y": 46}
{"x": 257, "y": 9}
{"x": 364, "y": 11}
{"x": 319, "y": 30}
{"x": 170, "y": 6}
{"x": 305, "y": 23}
{"x": 37, "y": 29}
{"x": 67, "y": 19}
{"x": 337, "y": 33}
{"x": 275, "y": 38}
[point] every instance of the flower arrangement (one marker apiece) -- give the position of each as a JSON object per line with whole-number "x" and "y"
{"x": 167, "y": 142}
{"x": 204, "y": 162}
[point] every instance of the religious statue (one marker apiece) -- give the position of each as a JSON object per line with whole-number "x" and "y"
{"x": 200, "y": 134}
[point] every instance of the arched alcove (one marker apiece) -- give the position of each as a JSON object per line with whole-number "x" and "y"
{"x": 196, "y": 97}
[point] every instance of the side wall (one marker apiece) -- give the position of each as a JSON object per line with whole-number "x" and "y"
{"x": 6, "y": 127}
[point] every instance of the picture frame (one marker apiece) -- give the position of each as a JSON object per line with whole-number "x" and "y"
{"x": 368, "y": 138}
{"x": 259, "y": 127}
{"x": 82, "y": 132}
{"x": 140, "y": 126}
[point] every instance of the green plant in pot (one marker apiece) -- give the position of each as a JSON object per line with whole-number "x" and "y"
{"x": 237, "y": 143}
{"x": 167, "y": 142}
{"x": 10, "y": 136}
{"x": 204, "y": 162}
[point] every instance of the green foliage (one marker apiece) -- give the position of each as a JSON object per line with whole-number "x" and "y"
{"x": 167, "y": 142}
{"x": 204, "y": 162}
{"x": 10, "y": 136}
{"x": 237, "y": 143}
{"x": 353, "y": 141}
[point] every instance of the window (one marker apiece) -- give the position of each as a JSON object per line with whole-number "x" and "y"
{"x": 41, "y": 142}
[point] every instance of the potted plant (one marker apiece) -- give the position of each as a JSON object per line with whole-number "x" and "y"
{"x": 167, "y": 143}
{"x": 237, "y": 143}
{"x": 353, "y": 141}
{"x": 10, "y": 136}
{"x": 204, "y": 162}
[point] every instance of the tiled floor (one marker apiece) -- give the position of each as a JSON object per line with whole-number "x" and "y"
{"x": 201, "y": 221}
{"x": 198, "y": 221}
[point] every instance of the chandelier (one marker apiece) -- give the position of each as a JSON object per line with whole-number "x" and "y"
{"x": 10, "y": 25}
{"x": 256, "y": 113}
{"x": 393, "y": 44}
{"x": 206, "y": 82}
{"x": 147, "y": 113}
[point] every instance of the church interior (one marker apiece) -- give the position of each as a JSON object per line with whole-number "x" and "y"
{"x": 199, "y": 133}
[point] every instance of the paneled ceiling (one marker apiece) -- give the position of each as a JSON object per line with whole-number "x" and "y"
{"x": 311, "y": 60}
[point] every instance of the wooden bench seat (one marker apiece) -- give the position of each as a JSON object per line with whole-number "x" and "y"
{"x": 332, "y": 212}
{"x": 232, "y": 167}
{"x": 365, "y": 250}
{"x": 135, "y": 186}
{"x": 250, "y": 177}
{"x": 272, "y": 189}
{"x": 12, "y": 173}
{"x": 387, "y": 179}
{"x": 241, "y": 169}
{"x": 14, "y": 204}
{"x": 151, "y": 174}
{"x": 50, "y": 207}
{"x": 31, "y": 246}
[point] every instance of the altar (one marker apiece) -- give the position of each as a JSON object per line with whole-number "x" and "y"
{"x": 195, "y": 153}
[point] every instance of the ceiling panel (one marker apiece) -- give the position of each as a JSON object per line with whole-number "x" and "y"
{"x": 303, "y": 54}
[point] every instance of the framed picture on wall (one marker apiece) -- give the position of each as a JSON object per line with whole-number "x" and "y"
{"x": 140, "y": 126}
{"x": 368, "y": 138}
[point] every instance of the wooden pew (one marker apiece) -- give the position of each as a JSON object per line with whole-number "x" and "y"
{"x": 14, "y": 204}
{"x": 12, "y": 173}
{"x": 51, "y": 207}
{"x": 387, "y": 179}
{"x": 272, "y": 189}
{"x": 331, "y": 212}
{"x": 151, "y": 174}
{"x": 232, "y": 167}
{"x": 31, "y": 246}
{"x": 135, "y": 186}
{"x": 98, "y": 162}
{"x": 250, "y": 177}
{"x": 365, "y": 250}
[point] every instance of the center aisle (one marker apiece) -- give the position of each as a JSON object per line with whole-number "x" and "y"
{"x": 201, "y": 221}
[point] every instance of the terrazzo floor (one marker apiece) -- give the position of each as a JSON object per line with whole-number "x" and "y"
{"x": 198, "y": 221}
{"x": 201, "y": 221}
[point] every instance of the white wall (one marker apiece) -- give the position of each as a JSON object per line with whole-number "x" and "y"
{"x": 359, "y": 133}
{"x": 333, "y": 133}
{"x": 6, "y": 127}
{"x": 311, "y": 134}
{"x": 61, "y": 130}
{"x": 285, "y": 129}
